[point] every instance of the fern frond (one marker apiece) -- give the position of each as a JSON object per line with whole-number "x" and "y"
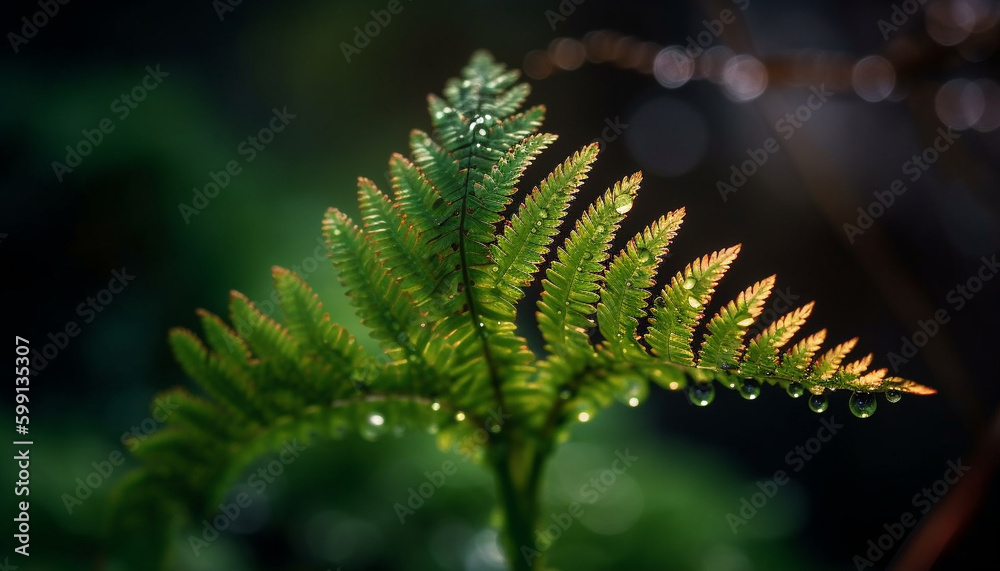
{"x": 381, "y": 304}
{"x": 828, "y": 364}
{"x": 680, "y": 306}
{"x": 723, "y": 346}
{"x": 436, "y": 273}
{"x": 762, "y": 352}
{"x": 795, "y": 363}
{"x": 526, "y": 240}
{"x": 571, "y": 282}
{"x": 327, "y": 351}
{"x": 627, "y": 279}
{"x": 398, "y": 244}
{"x": 222, "y": 379}
{"x": 421, "y": 205}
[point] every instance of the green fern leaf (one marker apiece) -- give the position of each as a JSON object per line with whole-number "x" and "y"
{"x": 762, "y": 352}
{"x": 571, "y": 282}
{"x": 723, "y": 346}
{"x": 220, "y": 378}
{"x": 436, "y": 273}
{"x": 627, "y": 279}
{"x": 525, "y": 242}
{"x": 795, "y": 363}
{"x": 681, "y": 306}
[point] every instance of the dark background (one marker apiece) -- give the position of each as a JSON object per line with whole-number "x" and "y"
{"x": 119, "y": 209}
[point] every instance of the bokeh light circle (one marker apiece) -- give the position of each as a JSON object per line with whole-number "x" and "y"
{"x": 744, "y": 78}
{"x": 873, "y": 78}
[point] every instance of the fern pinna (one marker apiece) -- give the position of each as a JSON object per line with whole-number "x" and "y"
{"x": 436, "y": 271}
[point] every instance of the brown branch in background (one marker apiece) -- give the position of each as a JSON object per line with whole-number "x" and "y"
{"x": 825, "y": 182}
{"x": 952, "y": 513}
{"x": 909, "y": 302}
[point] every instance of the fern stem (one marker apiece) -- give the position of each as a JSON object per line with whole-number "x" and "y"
{"x": 554, "y": 416}
{"x": 467, "y": 281}
{"x": 518, "y": 472}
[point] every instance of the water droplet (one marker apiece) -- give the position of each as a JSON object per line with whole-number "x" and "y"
{"x": 819, "y": 403}
{"x": 435, "y": 406}
{"x": 701, "y": 394}
{"x": 539, "y": 223}
{"x": 583, "y": 410}
{"x": 565, "y": 394}
{"x": 495, "y": 269}
{"x": 402, "y": 338}
{"x": 659, "y": 301}
{"x": 599, "y": 229}
{"x": 628, "y": 283}
{"x": 689, "y": 283}
{"x": 623, "y": 203}
{"x": 745, "y": 322}
{"x": 694, "y": 303}
{"x": 750, "y": 388}
{"x": 376, "y": 419}
{"x": 482, "y": 132}
{"x": 460, "y": 416}
{"x": 795, "y": 390}
{"x": 634, "y": 390}
{"x": 587, "y": 255}
{"x": 579, "y": 268}
{"x": 644, "y": 255}
{"x": 892, "y": 395}
{"x": 863, "y": 405}
{"x": 543, "y": 214}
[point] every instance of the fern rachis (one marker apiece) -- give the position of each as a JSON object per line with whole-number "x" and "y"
{"x": 436, "y": 272}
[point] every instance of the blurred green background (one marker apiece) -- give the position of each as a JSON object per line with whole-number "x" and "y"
{"x": 333, "y": 508}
